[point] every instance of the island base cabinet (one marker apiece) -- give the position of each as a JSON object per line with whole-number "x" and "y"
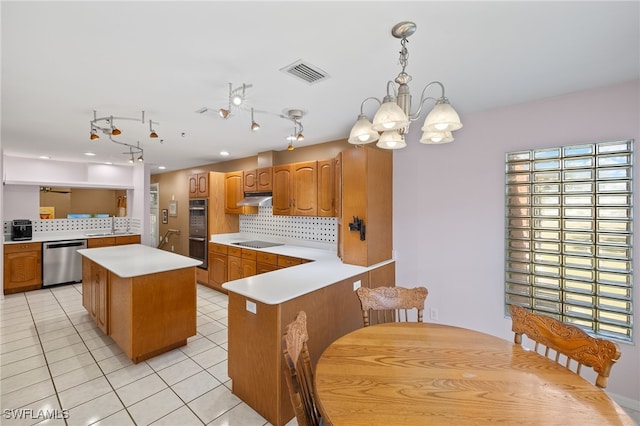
{"x": 255, "y": 361}
{"x": 151, "y": 314}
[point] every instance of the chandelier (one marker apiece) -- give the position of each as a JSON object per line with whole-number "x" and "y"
{"x": 107, "y": 126}
{"x": 393, "y": 118}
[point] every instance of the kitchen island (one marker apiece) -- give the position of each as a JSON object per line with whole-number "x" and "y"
{"x": 142, "y": 297}
{"x": 261, "y": 306}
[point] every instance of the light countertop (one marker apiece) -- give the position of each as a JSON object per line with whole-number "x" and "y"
{"x": 47, "y": 237}
{"x": 285, "y": 284}
{"x": 134, "y": 260}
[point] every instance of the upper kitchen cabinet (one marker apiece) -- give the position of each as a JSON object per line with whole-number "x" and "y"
{"x": 199, "y": 185}
{"x": 326, "y": 188}
{"x": 258, "y": 180}
{"x": 295, "y": 189}
{"x": 234, "y": 192}
{"x": 365, "y": 225}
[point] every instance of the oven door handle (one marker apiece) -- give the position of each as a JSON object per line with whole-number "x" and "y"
{"x": 197, "y": 208}
{"x": 197, "y": 238}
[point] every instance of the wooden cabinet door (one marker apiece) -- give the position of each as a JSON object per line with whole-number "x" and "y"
{"x": 127, "y": 239}
{"x": 193, "y": 186}
{"x": 326, "y": 188}
{"x": 250, "y": 180}
{"x": 203, "y": 185}
{"x": 87, "y": 284}
{"x": 217, "y": 270}
{"x": 262, "y": 268}
{"x": 101, "y": 242}
{"x": 233, "y": 192}
{"x": 234, "y": 268}
{"x": 102, "y": 295}
{"x": 304, "y": 188}
{"x": 22, "y": 270}
{"x": 248, "y": 268}
{"x": 264, "y": 179}
{"x": 281, "y": 200}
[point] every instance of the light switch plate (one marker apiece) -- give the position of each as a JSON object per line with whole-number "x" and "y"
{"x": 357, "y": 285}
{"x": 251, "y": 307}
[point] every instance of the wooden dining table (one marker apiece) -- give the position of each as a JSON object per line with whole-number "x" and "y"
{"x": 425, "y": 373}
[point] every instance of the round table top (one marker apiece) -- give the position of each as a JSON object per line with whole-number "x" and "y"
{"x": 415, "y": 373}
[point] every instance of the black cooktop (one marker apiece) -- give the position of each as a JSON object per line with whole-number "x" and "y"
{"x": 257, "y": 244}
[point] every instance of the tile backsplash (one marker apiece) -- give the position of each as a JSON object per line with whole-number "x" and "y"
{"x": 317, "y": 229}
{"x": 71, "y": 225}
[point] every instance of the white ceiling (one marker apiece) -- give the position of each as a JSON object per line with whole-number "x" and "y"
{"x": 62, "y": 60}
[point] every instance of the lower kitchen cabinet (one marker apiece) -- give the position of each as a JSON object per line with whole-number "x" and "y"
{"x": 228, "y": 263}
{"x": 95, "y": 293}
{"x": 113, "y": 241}
{"x": 22, "y": 267}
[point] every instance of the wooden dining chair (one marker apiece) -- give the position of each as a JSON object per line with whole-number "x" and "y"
{"x": 299, "y": 373}
{"x": 390, "y": 304}
{"x": 565, "y": 339}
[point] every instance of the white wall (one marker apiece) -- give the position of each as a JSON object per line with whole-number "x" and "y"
{"x": 449, "y": 207}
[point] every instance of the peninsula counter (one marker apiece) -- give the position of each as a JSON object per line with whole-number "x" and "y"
{"x": 142, "y": 297}
{"x": 261, "y": 306}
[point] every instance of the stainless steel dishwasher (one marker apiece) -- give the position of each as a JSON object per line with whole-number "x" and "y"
{"x": 61, "y": 263}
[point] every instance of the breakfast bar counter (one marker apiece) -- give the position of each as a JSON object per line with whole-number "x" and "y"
{"x": 143, "y": 298}
{"x": 261, "y": 306}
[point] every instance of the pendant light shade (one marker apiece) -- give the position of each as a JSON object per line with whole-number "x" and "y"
{"x": 389, "y": 116}
{"x": 391, "y": 140}
{"x": 442, "y": 118}
{"x": 434, "y": 138}
{"x": 362, "y": 131}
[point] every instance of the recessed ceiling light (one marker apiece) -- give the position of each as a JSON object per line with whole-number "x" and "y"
{"x": 45, "y": 157}
{"x": 224, "y": 153}
{"x": 161, "y": 167}
{"x": 108, "y": 163}
{"x": 90, "y": 154}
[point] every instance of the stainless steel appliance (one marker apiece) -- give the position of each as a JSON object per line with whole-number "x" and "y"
{"x": 61, "y": 263}
{"x": 198, "y": 231}
{"x": 21, "y": 230}
{"x": 257, "y": 244}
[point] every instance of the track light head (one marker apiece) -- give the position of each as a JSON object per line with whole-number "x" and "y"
{"x": 94, "y": 135}
{"x": 224, "y": 113}
{"x": 115, "y": 131}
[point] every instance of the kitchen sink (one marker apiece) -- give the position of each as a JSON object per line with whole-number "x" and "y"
{"x": 107, "y": 234}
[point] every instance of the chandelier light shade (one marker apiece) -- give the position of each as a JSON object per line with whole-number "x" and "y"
{"x": 434, "y": 138}
{"x": 391, "y": 139}
{"x": 389, "y": 116}
{"x": 393, "y": 117}
{"x": 362, "y": 132}
{"x": 442, "y": 118}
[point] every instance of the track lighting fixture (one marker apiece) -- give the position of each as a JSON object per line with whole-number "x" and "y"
{"x": 237, "y": 102}
{"x": 394, "y": 116}
{"x": 152, "y": 134}
{"x": 106, "y": 125}
{"x": 254, "y": 126}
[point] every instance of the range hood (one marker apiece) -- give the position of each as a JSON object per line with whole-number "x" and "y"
{"x": 256, "y": 199}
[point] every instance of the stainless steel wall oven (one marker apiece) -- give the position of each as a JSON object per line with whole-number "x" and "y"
{"x": 198, "y": 231}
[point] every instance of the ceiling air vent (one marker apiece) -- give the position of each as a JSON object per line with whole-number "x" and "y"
{"x": 305, "y": 71}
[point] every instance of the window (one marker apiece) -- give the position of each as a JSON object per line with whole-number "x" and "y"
{"x": 568, "y": 249}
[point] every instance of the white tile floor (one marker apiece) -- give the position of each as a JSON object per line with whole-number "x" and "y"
{"x": 52, "y": 357}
